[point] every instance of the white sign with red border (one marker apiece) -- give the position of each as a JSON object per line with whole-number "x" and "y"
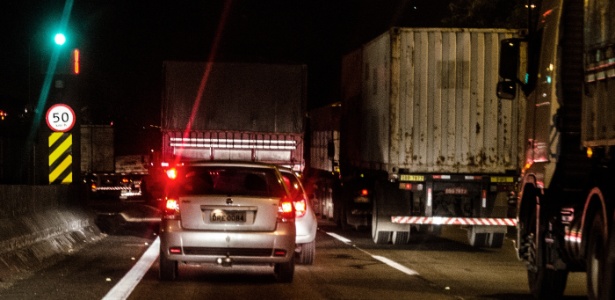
{"x": 60, "y": 117}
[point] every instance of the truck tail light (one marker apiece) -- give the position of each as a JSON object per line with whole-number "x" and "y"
{"x": 171, "y": 209}
{"x": 286, "y": 210}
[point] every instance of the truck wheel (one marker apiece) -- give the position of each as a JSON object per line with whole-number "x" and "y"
{"x": 544, "y": 283}
{"x": 496, "y": 240}
{"x": 477, "y": 239}
{"x": 167, "y": 268}
{"x": 596, "y": 259}
{"x": 379, "y": 236}
{"x": 401, "y": 237}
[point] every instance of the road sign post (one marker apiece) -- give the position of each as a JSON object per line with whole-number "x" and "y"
{"x": 60, "y": 119}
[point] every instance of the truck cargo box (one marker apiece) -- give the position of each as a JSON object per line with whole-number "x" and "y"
{"x": 234, "y": 111}
{"x": 234, "y": 96}
{"x": 427, "y": 103}
{"x": 97, "y": 149}
{"x": 324, "y": 131}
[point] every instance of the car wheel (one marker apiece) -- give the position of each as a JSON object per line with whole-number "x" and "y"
{"x": 167, "y": 269}
{"x": 306, "y": 256}
{"x": 285, "y": 272}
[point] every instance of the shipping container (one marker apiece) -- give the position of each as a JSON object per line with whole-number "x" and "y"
{"x": 424, "y": 140}
{"x": 428, "y": 103}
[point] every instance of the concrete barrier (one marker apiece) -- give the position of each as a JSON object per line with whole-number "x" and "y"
{"x": 40, "y": 225}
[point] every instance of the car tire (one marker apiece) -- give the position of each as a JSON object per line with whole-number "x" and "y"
{"x": 284, "y": 272}
{"x": 167, "y": 269}
{"x": 308, "y": 250}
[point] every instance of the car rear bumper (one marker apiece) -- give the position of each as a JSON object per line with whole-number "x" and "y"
{"x": 242, "y": 247}
{"x": 306, "y": 230}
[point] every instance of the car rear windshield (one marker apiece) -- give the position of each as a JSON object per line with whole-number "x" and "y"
{"x": 260, "y": 182}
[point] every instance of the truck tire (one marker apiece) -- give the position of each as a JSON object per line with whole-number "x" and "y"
{"x": 167, "y": 270}
{"x": 596, "y": 259}
{"x": 378, "y": 218}
{"x": 378, "y": 235}
{"x": 545, "y": 283}
{"x": 476, "y": 238}
{"x": 401, "y": 237}
{"x": 496, "y": 240}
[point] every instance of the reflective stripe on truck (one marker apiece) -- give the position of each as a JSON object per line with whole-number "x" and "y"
{"x": 453, "y": 221}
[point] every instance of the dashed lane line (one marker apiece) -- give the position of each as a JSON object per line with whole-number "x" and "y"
{"x": 389, "y": 262}
{"x": 127, "y": 284}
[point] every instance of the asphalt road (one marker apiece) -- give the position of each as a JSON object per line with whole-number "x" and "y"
{"x": 347, "y": 266}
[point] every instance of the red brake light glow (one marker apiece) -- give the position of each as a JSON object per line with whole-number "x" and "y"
{"x": 172, "y": 204}
{"x": 171, "y": 208}
{"x": 300, "y": 208}
{"x": 286, "y": 211}
{"x": 172, "y": 174}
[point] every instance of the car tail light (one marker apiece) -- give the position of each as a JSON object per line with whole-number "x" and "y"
{"x": 300, "y": 207}
{"x": 171, "y": 209}
{"x": 175, "y": 250}
{"x": 286, "y": 210}
{"x": 172, "y": 173}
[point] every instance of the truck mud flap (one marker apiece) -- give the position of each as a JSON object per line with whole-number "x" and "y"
{"x": 383, "y": 230}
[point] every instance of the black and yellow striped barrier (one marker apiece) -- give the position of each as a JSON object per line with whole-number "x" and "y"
{"x": 60, "y": 158}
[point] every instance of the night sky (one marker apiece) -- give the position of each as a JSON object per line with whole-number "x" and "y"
{"x": 124, "y": 42}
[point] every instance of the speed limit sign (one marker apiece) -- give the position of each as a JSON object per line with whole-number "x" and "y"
{"x": 60, "y": 117}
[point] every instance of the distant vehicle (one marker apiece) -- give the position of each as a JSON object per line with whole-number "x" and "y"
{"x": 306, "y": 223}
{"x": 227, "y": 213}
{"x": 109, "y": 176}
{"x": 248, "y": 112}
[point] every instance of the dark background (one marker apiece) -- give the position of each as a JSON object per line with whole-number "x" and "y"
{"x": 123, "y": 44}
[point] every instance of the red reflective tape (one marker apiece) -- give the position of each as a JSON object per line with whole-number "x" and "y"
{"x": 453, "y": 221}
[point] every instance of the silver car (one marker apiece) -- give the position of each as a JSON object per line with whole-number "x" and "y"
{"x": 306, "y": 222}
{"x": 227, "y": 213}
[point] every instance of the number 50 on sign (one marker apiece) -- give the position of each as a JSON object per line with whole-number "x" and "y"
{"x": 60, "y": 117}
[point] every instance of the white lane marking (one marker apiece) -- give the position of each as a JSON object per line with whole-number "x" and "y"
{"x": 382, "y": 259}
{"x": 395, "y": 265}
{"x": 339, "y": 237}
{"x": 125, "y": 286}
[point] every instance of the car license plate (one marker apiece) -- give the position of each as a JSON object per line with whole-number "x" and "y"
{"x": 222, "y": 216}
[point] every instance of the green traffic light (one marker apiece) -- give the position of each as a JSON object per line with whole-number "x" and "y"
{"x": 60, "y": 39}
